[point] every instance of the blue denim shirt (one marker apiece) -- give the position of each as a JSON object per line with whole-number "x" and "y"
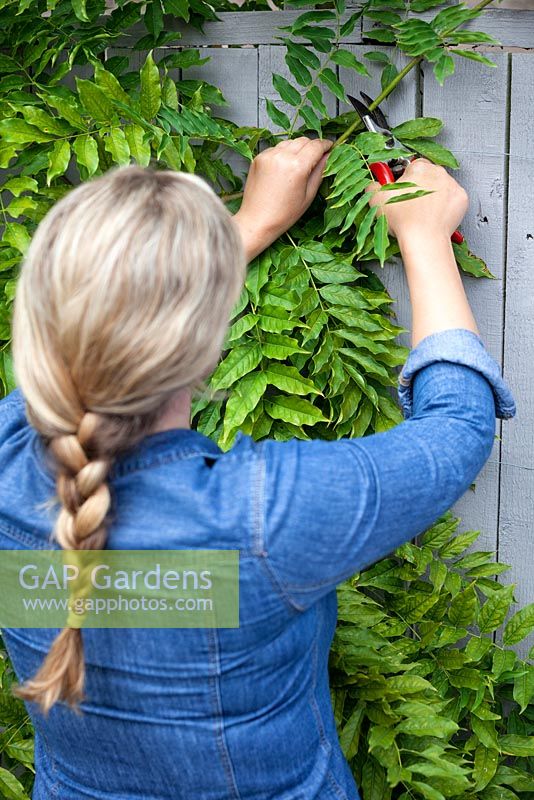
{"x": 245, "y": 712}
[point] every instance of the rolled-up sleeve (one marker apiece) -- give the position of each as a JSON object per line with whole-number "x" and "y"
{"x": 459, "y": 346}
{"x": 330, "y": 508}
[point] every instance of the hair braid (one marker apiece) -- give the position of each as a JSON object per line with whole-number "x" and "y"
{"x": 83, "y": 461}
{"x": 124, "y": 299}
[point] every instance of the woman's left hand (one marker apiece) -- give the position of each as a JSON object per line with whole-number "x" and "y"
{"x": 281, "y": 185}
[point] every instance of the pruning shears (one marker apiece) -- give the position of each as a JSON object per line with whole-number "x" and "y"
{"x": 386, "y": 171}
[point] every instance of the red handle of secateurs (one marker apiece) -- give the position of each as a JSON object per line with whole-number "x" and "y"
{"x": 383, "y": 174}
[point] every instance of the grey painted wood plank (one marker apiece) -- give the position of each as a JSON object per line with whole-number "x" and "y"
{"x": 235, "y": 72}
{"x": 271, "y": 59}
{"x": 517, "y": 481}
{"x": 237, "y": 27}
{"x": 473, "y": 106}
{"x": 400, "y": 106}
{"x": 511, "y": 28}
{"x": 261, "y": 27}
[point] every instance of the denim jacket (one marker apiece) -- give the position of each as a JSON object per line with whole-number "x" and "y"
{"x": 224, "y": 714}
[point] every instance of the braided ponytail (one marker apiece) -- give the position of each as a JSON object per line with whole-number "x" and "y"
{"x": 123, "y": 301}
{"x": 82, "y": 489}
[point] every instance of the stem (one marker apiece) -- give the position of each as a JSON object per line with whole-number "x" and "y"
{"x": 382, "y": 96}
{"x": 396, "y": 80}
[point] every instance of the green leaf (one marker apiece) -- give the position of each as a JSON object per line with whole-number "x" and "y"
{"x": 310, "y": 118}
{"x": 514, "y": 745}
{"x": 287, "y": 92}
{"x": 45, "y": 122}
{"x": 485, "y": 731}
{"x": 289, "y": 380}
{"x": 109, "y": 84}
{"x": 428, "y": 725}
{"x": 374, "y": 783}
{"x": 58, "y": 160}
{"x": 10, "y": 787}
{"x": 422, "y": 127}
{"x": 180, "y": 8}
{"x": 405, "y": 196}
{"x": 519, "y": 626}
{"x": 301, "y": 73}
{"x": 237, "y": 363}
{"x": 19, "y": 131}
{"x": 150, "y": 97}
{"x": 277, "y": 116}
{"x": 328, "y": 77}
{"x": 428, "y": 792}
{"x": 86, "y": 151}
{"x": 344, "y": 58}
{"x": 524, "y": 688}
{"x": 154, "y": 17}
{"x": 315, "y": 97}
{"x": 349, "y": 736}
{"x": 279, "y": 346}
{"x": 443, "y": 67}
{"x": 486, "y": 761}
{"x": 434, "y": 152}
{"x": 335, "y": 272}
{"x": 139, "y": 148}
{"x": 295, "y": 410}
{"x": 17, "y": 236}
{"x": 20, "y": 184}
{"x": 470, "y": 263}
{"x": 116, "y": 144}
{"x": 503, "y": 661}
{"x": 183, "y": 59}
{"x": 303, "y": 54}
{"x": 95, "y": 102}
{"x": 377, "y": 55}
{"x": 246, "y": 394}
{"x": 457, "y": 545}
{"x": 365, "y": 227}
{"x": 258, "y": 275}
{"x": 494, "y": 611}
{"x": 381, "y": 239}
{"x": 470, "y": 54}
{"x": 415, "y": 37}
{"x": 79, "y": 8}
{"x": 66, "y": 109}
{"x": 463, "y": 607}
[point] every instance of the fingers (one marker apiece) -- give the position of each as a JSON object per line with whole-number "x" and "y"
{"x": 315, "y": 177}
{"x": 309, "y": 150}
{"x": 314, "y": 149}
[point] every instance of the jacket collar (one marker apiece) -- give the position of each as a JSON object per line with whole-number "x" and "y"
{"x": 156, "y": 448}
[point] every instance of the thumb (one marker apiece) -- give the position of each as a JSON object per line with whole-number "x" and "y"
{"x": 372, "y": 188}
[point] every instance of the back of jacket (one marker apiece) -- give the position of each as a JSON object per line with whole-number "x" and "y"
{"x": 174, "y": 713}
{"x": 223, "y": 714}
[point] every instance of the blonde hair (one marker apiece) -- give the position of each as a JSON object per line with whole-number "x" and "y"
{"x": 124, "y": 298}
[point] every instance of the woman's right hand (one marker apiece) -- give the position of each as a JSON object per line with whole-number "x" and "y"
{"x": 438, "y": 213}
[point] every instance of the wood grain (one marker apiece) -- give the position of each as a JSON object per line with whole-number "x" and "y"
{"x": 473, "y": 106}
{"x": 516, "y": 518}
{"x": 262, "y": 27}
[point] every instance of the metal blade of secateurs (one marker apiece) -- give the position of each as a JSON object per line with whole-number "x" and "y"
{"x": 362, "y": 110}
{"x": 377, "y": 113}
{"x": 380, "y": 119}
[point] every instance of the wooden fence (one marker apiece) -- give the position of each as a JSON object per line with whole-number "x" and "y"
{"x": 489, "y": 124}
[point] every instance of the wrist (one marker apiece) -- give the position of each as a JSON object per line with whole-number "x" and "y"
{"x": 418, "y": 235}
{"x": 255, "y": 238}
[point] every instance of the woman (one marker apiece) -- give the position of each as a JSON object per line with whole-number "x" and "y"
{"x": 121, "y": 310}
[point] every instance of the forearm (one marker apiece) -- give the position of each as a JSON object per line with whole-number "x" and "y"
{"x": 437, "y": 294}
{"x": 254, "y": 238}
